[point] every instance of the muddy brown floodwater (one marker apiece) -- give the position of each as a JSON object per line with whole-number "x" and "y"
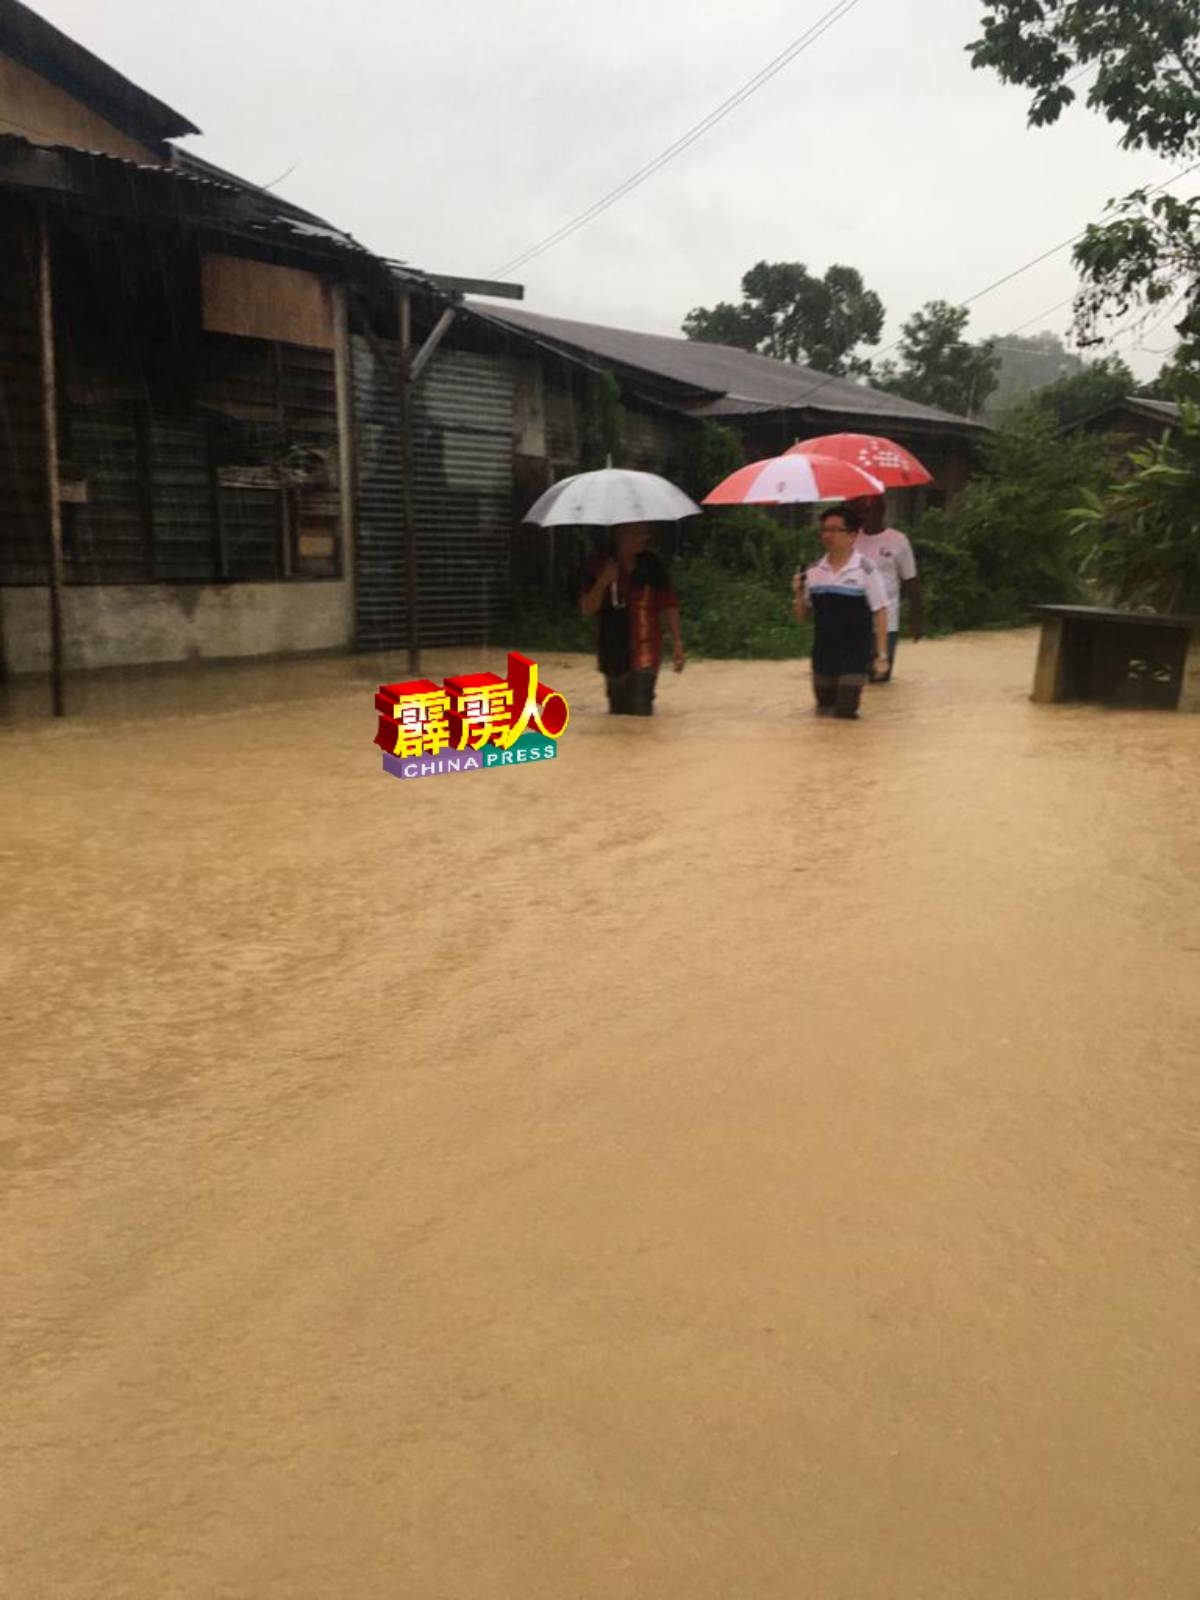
{"x": 751, "y": 1157}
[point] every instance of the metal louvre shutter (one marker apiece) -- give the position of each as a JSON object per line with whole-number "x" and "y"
{"x": 252, "y": 530}
{"x": 182, "y": 497}
{"x": 462, "y": 494}
{"x": 104, "y": 540}
{"x": 462, "y": 499}
{"x": 23, "y": 520}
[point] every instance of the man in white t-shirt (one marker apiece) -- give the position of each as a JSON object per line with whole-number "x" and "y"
{"x": 892, "y": 555}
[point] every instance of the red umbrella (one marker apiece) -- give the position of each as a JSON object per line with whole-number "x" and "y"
{"x": 794, "y": 480}
{"x": 891, "y": 463}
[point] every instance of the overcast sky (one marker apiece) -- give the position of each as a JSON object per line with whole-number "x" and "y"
{"x": 454, "y": 135}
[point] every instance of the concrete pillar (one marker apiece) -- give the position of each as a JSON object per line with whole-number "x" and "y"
{"x": 1189, "y": 689}
{"x": 1047, "y": 678}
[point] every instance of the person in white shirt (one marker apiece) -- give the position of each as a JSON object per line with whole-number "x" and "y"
{"x": 845, "y": 597}
{"x": 892, "y": 555}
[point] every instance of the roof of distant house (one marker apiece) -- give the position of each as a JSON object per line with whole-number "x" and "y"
{"x": 1164, "y": 412}
{"x": 37, "y": 44}
{"x": 1157, "y": 410}
{"x": 718, "y": 380}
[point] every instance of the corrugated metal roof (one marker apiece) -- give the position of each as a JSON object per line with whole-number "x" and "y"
{"x": 267, "y": 214}
{"x": 724, "y": 381}
{"x": 1157, "y": 410}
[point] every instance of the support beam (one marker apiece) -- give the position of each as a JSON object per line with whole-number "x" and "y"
{"x": 50, "y": 435}
{"x": 405, "y": 375}
{"x": 410, "y": 524}
{"x": 478, "y": 286}
{"x": 429, "y": 349}
{"x": 346, "y": 441}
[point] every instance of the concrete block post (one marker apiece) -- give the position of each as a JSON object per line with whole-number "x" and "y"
{"x": 1189, "y": 689}
{"x": 1047, "y": 678}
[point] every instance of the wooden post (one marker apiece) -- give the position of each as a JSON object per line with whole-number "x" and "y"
{"x": 287, "y": 522}
{"x": 553, "y": 543}
{"x": 50, "y": 433}
{"x": 345, "y": 417}
{"x": 410, "y": 525}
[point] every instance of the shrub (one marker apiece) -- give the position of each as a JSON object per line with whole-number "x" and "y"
{"x": 1139, "y": 536}
{"x": 1012, "y": 548}
{"x": 711, "y": 451}
{"x": 731, "y": 615}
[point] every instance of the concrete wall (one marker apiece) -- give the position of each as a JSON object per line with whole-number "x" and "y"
{"x": 113, "y": 625}
{"x": 46, "y": 114}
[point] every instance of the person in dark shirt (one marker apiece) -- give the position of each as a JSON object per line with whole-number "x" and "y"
{"x": 630, "y": 593}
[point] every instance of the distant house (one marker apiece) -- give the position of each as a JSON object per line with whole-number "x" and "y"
{"x": 668, "y": 384}
{"x": 1137, "y": 419}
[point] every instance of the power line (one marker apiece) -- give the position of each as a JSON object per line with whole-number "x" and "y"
{"x": 1049, "y": 312}
{"x": 1000, "y": 282}
{"x": 784, "y": 59}
{"x": 1137, "y": 325}
{"x": 1062, "y": 304}
{"x": 1028, "y": 267}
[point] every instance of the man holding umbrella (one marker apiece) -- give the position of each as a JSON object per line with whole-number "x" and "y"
{"x": 894, "y": 467}
{"x": 630, "y": 591}
{"x": 627, "y": 586}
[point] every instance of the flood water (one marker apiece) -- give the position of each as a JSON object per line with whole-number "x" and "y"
{"x": 748, "y": 1157}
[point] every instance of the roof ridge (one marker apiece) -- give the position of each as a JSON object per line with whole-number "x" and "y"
{"x": 725, "y": 371}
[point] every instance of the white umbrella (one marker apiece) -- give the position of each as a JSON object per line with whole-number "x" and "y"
{"x": 611, "y": 496}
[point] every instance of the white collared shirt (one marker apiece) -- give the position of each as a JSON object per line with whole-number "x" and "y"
{"x": 858, "y": 579}
{"x": 892, "y": 556}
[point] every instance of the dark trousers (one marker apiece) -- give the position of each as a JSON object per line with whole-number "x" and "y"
{"x": 893, "y": 641}
{"x": 840, "y": 696}
{"x": 632, "y": 694}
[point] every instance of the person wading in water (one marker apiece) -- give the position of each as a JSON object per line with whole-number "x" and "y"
{"x": 844, "y": 595}
{"x": 630, "y": 591}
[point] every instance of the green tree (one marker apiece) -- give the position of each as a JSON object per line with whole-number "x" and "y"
{"x": 1177, "y": 379}
{"x": 788, "y": 313}
{"x": 1096, "y": 385}
{"x": 601, "y": 422}
{"x": 711, "y": 452}
{"x": 744, "y": 326}
{"x": 1010, "y": 517}
{"x": 938, "y": 366}
{"x": 1004, "y": 545}
{"x": 1145, "y": 61}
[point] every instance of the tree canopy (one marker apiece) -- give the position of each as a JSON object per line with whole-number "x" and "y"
{"x": 1146, "y": 54}
{"x": 1093, "y": 386}
{"x": 938, "y": 366}
{"x": 788, "y": 313}
{"x": 1143, "y": 58}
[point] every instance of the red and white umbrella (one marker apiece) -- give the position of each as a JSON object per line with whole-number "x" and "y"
{"x": 793, "y": 480}
{"x": 891, "y": 463}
